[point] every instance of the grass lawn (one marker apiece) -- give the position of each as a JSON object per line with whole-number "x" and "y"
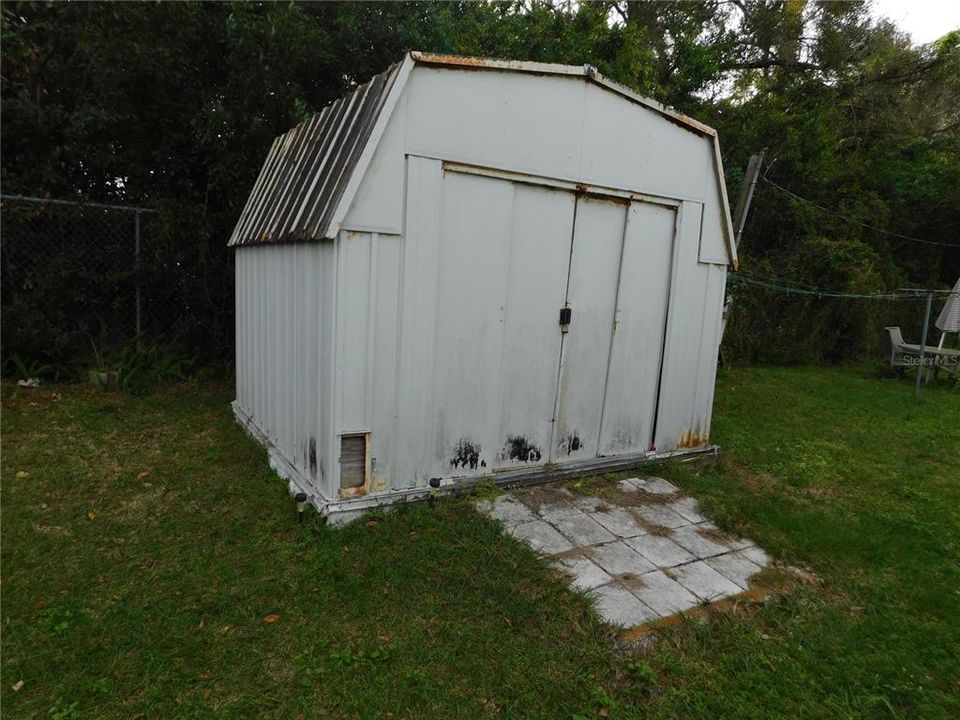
{"x": 153, "y": 568}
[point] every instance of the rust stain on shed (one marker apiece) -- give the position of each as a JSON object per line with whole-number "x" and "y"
{"x": 693, "y": 438}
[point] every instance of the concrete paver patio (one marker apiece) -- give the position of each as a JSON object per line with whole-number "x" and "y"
{"x": 648, "y": 555}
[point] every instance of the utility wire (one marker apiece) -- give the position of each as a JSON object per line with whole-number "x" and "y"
{"x": 851, "y": 220}
{"x": 775, "y": 280}
{"x": 795, "y": 289}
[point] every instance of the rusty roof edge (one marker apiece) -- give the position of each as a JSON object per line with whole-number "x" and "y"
{"x": 247, "y": 209}
{"x": 671, "y": 114}
{"x": 482, "y": 63}
{"x": 538, "y": 68}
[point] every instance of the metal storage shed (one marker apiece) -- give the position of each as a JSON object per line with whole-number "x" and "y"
{"x": 474, "y": 268}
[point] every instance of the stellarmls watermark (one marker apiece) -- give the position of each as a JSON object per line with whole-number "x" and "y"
{"x": 932, "y": 361}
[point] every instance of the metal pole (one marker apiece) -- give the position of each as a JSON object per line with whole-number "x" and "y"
{"x": 923, "y": 342}
{"x": 746, "y": 196}
{"x": 136, "y": 231}
{"x": 739, "y": 220}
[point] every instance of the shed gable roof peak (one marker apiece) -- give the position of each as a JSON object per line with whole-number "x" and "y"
{"x": 313, "y": 171}
{"x": 588, "y": 72}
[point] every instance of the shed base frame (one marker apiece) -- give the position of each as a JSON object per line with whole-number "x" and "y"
{"x": 343, "y": 510}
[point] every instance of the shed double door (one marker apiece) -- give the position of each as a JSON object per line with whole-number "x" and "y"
{"x": 610, "y": 362}
{"x": 512, "y": 387}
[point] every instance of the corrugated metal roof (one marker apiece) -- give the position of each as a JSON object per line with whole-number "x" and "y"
{"x": 308, "y": 168}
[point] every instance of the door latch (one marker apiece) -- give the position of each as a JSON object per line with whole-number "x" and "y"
{"x": 565, "y": 314}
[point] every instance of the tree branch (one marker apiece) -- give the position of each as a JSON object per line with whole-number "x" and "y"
{"x": 772, "y": 63}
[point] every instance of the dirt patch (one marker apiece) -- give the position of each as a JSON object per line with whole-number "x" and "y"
{"x": 716, "y": 535}
{"x": 537, "y": 497}
{"x": 277, "y": 670}
{"x": 651, "y": 528}
{"x": 754, "y": 480}
{"x": 772, "y": 579}
{"x": 602, "y": 507}
{"x": 805, "y": 575}
{"x": 642, "y": 497}
{"x": 608, "y": 490}
{"x": 631, "y": 581}
{"x": 747, "y": 602}
{"x": 140, "y": 506}
{"x": 577, "y": 551}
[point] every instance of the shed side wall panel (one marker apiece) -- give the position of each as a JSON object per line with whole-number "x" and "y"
{"x": 325, "y": 284}
{"x": 384, "y": 336}
{"x": 418, "y": 301}
{"x": 690, "y": 356}
{"x": 367, "y": 320}
{"x": 353, "y": 322}
{"x": 285, "y": 311}
{"x": 710, "y": 345}
{"x": 713, "y": 248}
{"x": 476, "y": 230}
{"x": 378, "y": 205}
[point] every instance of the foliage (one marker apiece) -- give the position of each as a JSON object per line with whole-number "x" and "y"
{"x": 173, "y": 105}
{"x": 68, "y": 275}
{"x": 175, "y": 581}
{"x": 19, "y": 367}
{"x": 139, "y": 370}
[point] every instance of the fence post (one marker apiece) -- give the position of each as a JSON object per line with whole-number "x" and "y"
{"x": 923, "y": 342}
{"x": 136, "y": 260}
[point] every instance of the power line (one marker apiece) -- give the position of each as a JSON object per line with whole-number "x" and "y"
{"x": 851, "y": 220}
{"x": 785, "y": 286}
{"x": 767, "y": 280}
{"x": 781, "y": 281}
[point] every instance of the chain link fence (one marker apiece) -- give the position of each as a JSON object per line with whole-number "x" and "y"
{"x": 83, "y": 282}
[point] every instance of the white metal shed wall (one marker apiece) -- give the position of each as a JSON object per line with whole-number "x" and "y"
{"x": 548, "y": 126}
{"x": 343, "y": 337}
{"x": 402, "y": 374}
{"x": 510, "y": 121}
{"x": 285, "y": 316}
{"x": 693, "y": 342}
{"x": 369, "y": 268}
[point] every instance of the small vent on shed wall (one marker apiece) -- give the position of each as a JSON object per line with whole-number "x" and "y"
{"x": 353, "y": 461}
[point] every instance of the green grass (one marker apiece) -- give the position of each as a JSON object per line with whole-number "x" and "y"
{"x": 148, "y": 541}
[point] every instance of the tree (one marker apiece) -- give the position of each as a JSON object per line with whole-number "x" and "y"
{"x": 174, "y": 105}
